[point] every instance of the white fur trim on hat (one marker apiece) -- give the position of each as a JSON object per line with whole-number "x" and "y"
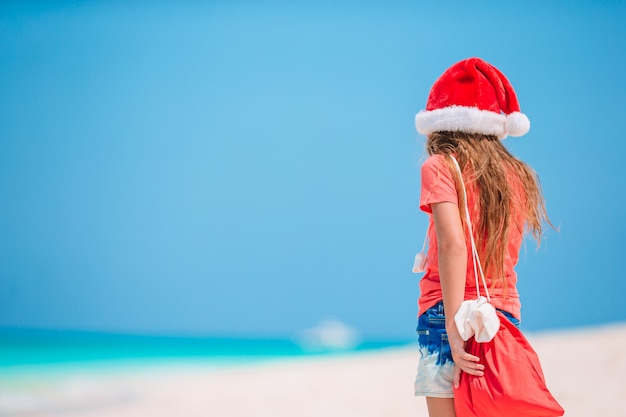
{"x": 471, "y": 120}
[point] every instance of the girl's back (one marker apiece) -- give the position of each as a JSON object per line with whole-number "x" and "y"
{"x": 438, "y": 184}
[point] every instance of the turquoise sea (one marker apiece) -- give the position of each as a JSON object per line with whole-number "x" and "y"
{"x": 51, "y": 373}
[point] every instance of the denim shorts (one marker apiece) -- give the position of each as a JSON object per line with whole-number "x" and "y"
{"x": 435, "y": 372}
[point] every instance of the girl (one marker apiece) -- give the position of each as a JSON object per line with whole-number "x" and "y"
{"x": 470, "y": 109}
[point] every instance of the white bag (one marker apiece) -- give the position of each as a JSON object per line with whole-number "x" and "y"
{"x": 419, "y": 264}
{"x": 477, "y": 318}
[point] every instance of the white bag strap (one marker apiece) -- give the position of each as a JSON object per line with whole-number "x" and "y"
{"x": 476, "y": 260}
{"x": 425, "y": 241}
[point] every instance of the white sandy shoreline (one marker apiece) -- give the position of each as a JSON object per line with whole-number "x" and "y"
{"x": 584, "y": 369}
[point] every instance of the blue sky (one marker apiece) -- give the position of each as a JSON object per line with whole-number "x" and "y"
{"x": 252, "y": 168}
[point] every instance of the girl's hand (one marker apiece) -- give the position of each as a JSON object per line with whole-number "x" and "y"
{"x": 463, "y": 361}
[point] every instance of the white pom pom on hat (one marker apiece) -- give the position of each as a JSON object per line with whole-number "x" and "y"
{"x": 517, "y": 124}
{"x": 473, "y": 96}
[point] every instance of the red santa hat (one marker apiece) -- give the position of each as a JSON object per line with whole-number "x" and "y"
{"x": 473, "y": 96}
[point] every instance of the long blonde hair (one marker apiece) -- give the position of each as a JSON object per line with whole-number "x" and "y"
{"x": 489, "y": 168}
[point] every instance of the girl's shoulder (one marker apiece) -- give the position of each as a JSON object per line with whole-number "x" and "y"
{"x": 437, "y": 184}
{"x": 435, "y": 165}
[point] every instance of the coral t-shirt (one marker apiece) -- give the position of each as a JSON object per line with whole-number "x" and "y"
{"x": 438, "y": 187}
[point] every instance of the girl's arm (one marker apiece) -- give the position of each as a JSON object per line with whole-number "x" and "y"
{"x": 452, "y": 252}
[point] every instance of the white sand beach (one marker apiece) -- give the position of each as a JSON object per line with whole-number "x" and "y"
{"x": 584, "y": 369}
